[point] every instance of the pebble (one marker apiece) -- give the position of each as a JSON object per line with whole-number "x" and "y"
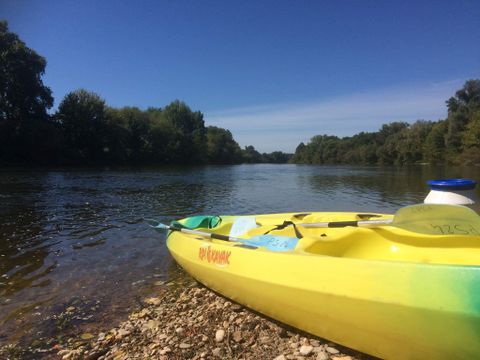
{"x": 153, "y": 301}
{"x": 152, "y": 324}
{"x": 86, "y": 336}
{"x": 196, "y": 323}
{"x": 322, "y": 355}
{"x": 332, "y": 350}
{"x": 237, "y": 336}
{"x": 219, "y": 335}
{"x": 216, "y": 352}
{"x": 306, "y": 350}
{"x": 121, "y": 333}
{"x": 165, "y": 350}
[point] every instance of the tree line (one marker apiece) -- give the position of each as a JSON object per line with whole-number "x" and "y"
{"x": 84, "y": 130}
{"x": 454, "y": 140}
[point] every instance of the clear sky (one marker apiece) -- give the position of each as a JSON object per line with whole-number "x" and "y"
{"x": 275, "y": 73}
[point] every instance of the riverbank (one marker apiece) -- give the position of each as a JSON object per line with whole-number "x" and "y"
{"x": 196, "y": 323}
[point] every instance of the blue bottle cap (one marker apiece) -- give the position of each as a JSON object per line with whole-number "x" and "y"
{"x": 452, "y": 184}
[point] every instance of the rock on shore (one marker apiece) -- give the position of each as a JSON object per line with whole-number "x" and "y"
{"x": 195, "y": 323}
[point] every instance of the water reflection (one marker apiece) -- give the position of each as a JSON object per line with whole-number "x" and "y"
{"x": 386, "y": 188}
{"x": 77, "y": 238}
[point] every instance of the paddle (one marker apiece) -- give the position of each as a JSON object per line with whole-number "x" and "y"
{"x": 271, "y": 242}
{"x": 161, "y": 226}
{"x": 432, "y": 219}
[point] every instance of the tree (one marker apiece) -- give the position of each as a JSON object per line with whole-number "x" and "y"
{"x": 24, "y": 101}
{"x": 221, "y": 148}
{"x": 468, "y": 95}
{"x": 250, "y": 155}
{"x": 471, "y": 141}
{"x": 462, "y": 108}
{"x": 276, "y": 157}
{"x": 133, "y": 127}
{"x": 82, "y": 115}
{"x": 187, "y": 141}
{"x": 390, "y": 129}
{"x": 411, "y": 149}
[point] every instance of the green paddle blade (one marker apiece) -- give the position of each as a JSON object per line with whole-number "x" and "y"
{"x": 438, "y": 219}
{"x": 199, "y": 221}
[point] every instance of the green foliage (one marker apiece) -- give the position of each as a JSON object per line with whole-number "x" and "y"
{"x": 82, "y": 116}
{"x": 250, "y": 155}
{"x": 130, "y": 136}
{"x": 85, "y": 130}
{"x": 453, "y": 140}
{"x": 434, "y": 148}
{"x": 24, "y": 101}
{"x": 187, "y": 142}
{"x": 276, "y": 157}
{"x": 221, "y": 147}
{"x": 95, "y": 133}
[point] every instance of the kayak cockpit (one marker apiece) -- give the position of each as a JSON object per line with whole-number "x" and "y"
{"x": 392, "y": 244}
{"x": 385, "y": 243}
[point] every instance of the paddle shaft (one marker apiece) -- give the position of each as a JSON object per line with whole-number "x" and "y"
{"x": 340, "y": 224}
{"x": 202, "y": 233}
{"x": 436, "y": 217}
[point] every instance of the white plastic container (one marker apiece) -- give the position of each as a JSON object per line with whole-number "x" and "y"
{"x": 452, "y": 191}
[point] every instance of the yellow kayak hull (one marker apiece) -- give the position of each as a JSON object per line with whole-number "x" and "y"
{"x": 367, "y": 298}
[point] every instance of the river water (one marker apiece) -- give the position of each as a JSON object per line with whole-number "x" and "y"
{"x": 77, "y": 238}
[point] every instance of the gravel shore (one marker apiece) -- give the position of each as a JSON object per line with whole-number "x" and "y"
{"x": 196, "y": 323}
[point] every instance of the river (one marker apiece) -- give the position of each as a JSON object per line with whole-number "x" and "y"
{"x": 77, "y": 238}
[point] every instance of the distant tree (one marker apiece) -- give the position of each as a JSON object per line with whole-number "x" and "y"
{"x": 221, "y": 147}
{"x": 471, "y": 141}
{"x": 25, "y": 129}
{"x": 250, "y": 155}
{"x": 82, "y": 115}
{"x": 434, "y": 149}
{"x": 276, "y": 157}
{"x": 359, "y": 149}
{"x": 165, "y": 144}
{"x": 301, "y": 154}
{"x": 412, "y": 146}
{"x": 390, "y": 129}
{"x": 467, "y": 96}
{"x": 133, "y": 127}
{"x": 116, "y": 148}
{"x": 462, "y": 109}
{"x": 187, "y": 141}
{"x": 323, "y": 149}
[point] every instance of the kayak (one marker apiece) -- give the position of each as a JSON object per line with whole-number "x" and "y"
{"x": 385, "y": 289}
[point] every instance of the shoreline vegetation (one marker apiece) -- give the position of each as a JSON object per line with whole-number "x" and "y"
{"x": 85, "y": 131}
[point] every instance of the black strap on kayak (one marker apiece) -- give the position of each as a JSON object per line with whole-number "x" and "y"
{"x": 300, "y": 216}
{"x": 368, "y": 216}
{"x": 286, "y": 223}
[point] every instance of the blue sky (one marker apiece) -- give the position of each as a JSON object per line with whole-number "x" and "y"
{"x": 275, "y": 73}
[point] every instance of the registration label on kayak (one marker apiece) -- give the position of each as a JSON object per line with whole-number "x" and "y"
{"x": 218, "y": 257}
